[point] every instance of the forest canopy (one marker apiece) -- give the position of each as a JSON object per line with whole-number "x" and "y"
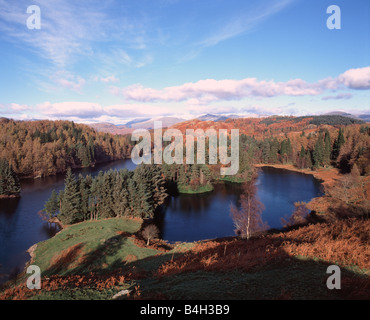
{"x": 43, "y": 148}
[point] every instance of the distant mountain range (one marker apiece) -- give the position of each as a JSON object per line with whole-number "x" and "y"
{"x": 148, "y": 123}
{"x": 217, "y": 118}
{"x": 364, "y": 117}
{"x": 111, "y": 128}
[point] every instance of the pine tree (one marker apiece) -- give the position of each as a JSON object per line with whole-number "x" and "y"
{"x": 301, "y": 158}
{"x": 9, "y": 182}
{"x": 144, "y": 204}
{"x": 71, "y": 210}
{"x": 327, "y": 149}
{"x": 120, "y": 194}
{"x": 107, "y": 203}
{"x": 289, "y": 150}
{"x": 265, "y": 151}
{"x": 159, "y": 193}
{"x": 308, "y": 159}
{"x": 51, "y": 207}
{"x": 339, "y": 142}
{"x": 84, "y": 189}
{"x": 318, "y": 153}
{"x": 284, "y": 151}
{"x": 274, "y": 148}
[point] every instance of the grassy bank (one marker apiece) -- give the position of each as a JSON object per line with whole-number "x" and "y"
{"x": 190, "y": 190}
{"x": 96, "y": 260}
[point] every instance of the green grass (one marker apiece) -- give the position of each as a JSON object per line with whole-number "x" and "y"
{"x": 99, "y": 242}
{"x": 106, "y": 250}
{"x": 233, "y": 179}
{"x": 201, "y": 189}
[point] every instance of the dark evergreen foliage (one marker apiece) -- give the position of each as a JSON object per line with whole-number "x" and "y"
{"x": 110, "y": 194}
{"x": 9, "y": 182}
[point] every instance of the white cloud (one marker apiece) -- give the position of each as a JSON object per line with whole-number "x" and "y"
{"x": 68, "y": 80}
{"x": 245, "y": 21}
{"x": 210, "y": 90}
{"x": 70, "y": 109}
{"x": 111, "y": 78}
{"x": 69, "y": 29}
{"x": 356, "y": 78}
{"x": 73, "y": 110}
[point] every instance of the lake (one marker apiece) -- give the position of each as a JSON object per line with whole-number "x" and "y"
{"x": 206, "y": 216}
{"x": 182, "y": 218}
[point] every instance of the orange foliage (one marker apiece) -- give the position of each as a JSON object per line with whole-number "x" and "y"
{"x": 65, "y": 259}
{"x": 344, "y": 242}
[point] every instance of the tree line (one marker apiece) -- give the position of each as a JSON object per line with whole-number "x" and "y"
{"x": 341, "y": 148}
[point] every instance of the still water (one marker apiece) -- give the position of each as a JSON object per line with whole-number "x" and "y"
{"x": 207, "y": 216}
{"x": 183, "y": 218}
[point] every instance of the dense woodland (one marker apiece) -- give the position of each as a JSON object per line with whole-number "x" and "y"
{"x": 341, "y": 148}
{"x": 43, "y": 148}
{"x": 111, "y": 194}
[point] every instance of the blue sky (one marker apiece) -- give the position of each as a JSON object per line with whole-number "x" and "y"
{"x": 115, "y": 60}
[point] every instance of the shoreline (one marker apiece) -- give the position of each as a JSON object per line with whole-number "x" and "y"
{"x": 29, "y": 177}
{"x": 327, "y": 176}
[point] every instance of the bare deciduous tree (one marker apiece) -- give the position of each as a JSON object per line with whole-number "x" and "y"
{"x": 299, "y": 215}
{"x": 248, "y": 219}
{"x": 150, "y": 232}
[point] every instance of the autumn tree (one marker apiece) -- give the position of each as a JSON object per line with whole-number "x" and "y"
{"x": 299, "y": 215}
{"x": 42, "y": 148}
{"x": 248, "y": 218}
{"x": 150, "y": 232}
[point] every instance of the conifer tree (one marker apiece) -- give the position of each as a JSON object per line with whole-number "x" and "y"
{"x": 9, "y": 182}
{"x": 327, "y": 148}
{"x": 308, "y": 159}
{"x": 120, "y": 194}
{"x": 339, "y": 142}
{"x": 71, "y": 210}
{"x": 84, "y": 189}
{"x": 52, "y": 206}
{"x": 107, "y": 196}
{"x": 318, "y": 153}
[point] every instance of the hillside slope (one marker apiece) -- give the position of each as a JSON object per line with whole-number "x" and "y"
{"x": 284, "y": 265}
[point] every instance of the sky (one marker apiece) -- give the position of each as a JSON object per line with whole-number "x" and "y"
{"x": 117, "y": 60}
